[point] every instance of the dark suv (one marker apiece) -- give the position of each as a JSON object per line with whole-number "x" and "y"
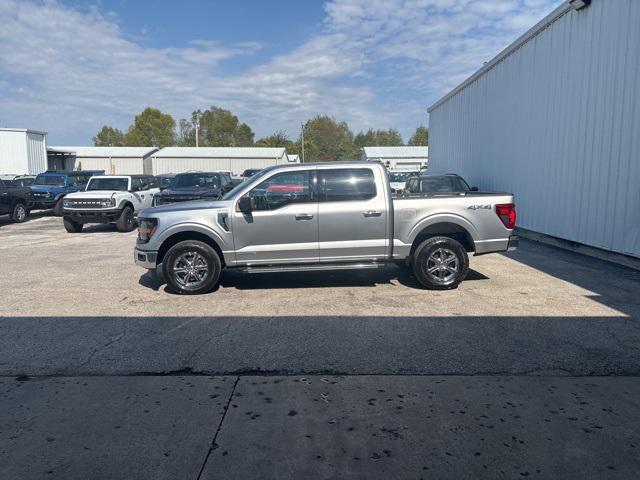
{"x": 194, "y": 186}
{"x": 15, "y": 201}
{"x": 49, "y": 188}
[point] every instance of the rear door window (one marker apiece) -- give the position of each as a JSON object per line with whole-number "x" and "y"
{"x": 346, "y": 184}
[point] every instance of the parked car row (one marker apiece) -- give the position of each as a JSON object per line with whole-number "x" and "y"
{"x": 82, "y": 197}
{"x": 412, "y": 182}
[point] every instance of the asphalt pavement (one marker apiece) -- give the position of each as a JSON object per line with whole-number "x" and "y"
{"x": 529, "y": 369}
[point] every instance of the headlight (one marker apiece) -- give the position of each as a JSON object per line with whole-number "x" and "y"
{"x": 146, "y": 228}
{"x": 66, "y": 203}
{"x": 108, "y": 202}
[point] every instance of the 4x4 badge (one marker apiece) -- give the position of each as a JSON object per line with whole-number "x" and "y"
{"x": 476, "y": 207}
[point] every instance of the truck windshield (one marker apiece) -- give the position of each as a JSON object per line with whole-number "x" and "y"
{"x": 443, "y": 184}
{"x": 111, "y": 184}
{"x": 194, "y": 180}
{"x": 233, "y": 193}
{"x": 56, "y": 180}
{"x": 401, "y": 176}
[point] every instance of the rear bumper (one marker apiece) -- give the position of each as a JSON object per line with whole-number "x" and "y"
{"x": 145, "y": 259}
{"x": 508, "y": 244}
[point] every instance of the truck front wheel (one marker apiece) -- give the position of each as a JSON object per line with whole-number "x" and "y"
{"x": 71, "y": 226}
{"x": 191, "y": 267}
{"x": 440, "y": 263}
{"x": 57, "y": 209}
{"x": 125, "y": 221}
{"x": 19, "y": 213}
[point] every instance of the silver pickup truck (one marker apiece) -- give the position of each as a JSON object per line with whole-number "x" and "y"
{"x": 323, "y": 216}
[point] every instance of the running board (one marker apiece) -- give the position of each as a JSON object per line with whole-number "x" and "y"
{"x": 309, "y": 268}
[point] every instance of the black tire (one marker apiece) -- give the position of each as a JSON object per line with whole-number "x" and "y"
{"x": 19, "y": 212}
{"x": 440, "y": 263}
{"x": 71, "y": 226}
{"x": 204, "y": 257}
{"x": 57, "y": 209}
{"x": 125, "y": 222}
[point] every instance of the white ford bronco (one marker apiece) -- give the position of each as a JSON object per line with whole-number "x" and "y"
{"x": 109, "y": 199}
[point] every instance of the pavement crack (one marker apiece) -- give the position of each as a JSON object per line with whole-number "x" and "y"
{"x": 213, "y": 444}
{"x": 209, "y": 339}
{"x": 106, "y": 345}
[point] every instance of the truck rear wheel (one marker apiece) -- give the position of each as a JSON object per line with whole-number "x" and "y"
{"x": 125, "y": 221}
{"x": 440, "y": 263}
{"x": 191, "y": 267}
{"x": 71, "y": 226}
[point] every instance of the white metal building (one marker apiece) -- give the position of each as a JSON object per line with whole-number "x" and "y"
{"x": 555, "y": 119}
{"x": 233, "y": 159}
{"x": 398, "y": 158}
{"x": 22, "y": 151}
{"x": 113, "y": 160}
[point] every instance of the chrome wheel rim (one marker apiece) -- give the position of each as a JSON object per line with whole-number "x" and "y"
{"x": 21, "y": 213}
{"x": 191, "y": 270}
{"x": 442, "y": 265}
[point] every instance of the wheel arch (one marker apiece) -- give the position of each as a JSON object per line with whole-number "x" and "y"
{"x": 127, "y": 203}
{"x": 181, "y": 236}
{"x": 444, "y": 229}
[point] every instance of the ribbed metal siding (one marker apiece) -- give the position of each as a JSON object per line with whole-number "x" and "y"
{"x": 235, "y": 165}
{"x": 22, "y": 153}
{"x": 13, "y": 155}
{"x": 111, "y": 166}
{"x": 557, "y": 122}
{"x": 36, "y": 153}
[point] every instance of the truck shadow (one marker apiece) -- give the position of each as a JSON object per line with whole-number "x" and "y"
{"x": 290, "y": 280}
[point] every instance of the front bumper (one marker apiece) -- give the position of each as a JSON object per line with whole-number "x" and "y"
{"x": 41, "y": 203}
{"x": 145, "y": 259}
{"x": 513, "y": 243}
{"x": 92, "y": 216}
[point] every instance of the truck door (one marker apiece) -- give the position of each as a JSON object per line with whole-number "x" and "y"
{"x": 5, "y": 199}
{"x": 353, "y": 214}
{"x": 138, "y": 193}
{"x": 283, "y": 224}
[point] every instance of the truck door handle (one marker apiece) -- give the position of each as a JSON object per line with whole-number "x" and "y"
{"x": 372, "y": 213}
{"x": 304, "y": 216}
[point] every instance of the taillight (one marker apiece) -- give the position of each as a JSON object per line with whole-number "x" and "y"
{"x": 507, "y": 213}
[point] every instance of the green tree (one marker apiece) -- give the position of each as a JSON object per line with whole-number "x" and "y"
{"x": 420, "y": 136}
{"x": 151, "y": 128}
{"x": 243, "y": 136}
{"x": 378, "y": 138}
{"x": 280, "y": 139}
{"x": 218, "y": 128}
{"x": 326, "y": 139}
{"x": 277, "y": 139}
{"x": 109, "y": 137}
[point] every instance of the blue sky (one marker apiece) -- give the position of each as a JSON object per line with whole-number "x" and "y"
{"x": 69, "y": 67}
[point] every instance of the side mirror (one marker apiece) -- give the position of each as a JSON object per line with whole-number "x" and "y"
{"x": 474, "y": 189}
{"x": 245, "y": 204}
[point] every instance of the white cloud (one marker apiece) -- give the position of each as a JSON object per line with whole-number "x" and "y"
{"x": 374, "y": 63}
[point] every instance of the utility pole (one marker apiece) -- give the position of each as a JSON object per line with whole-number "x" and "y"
{"x": 302, "y": 126}
{"x": 197, "y": 128}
